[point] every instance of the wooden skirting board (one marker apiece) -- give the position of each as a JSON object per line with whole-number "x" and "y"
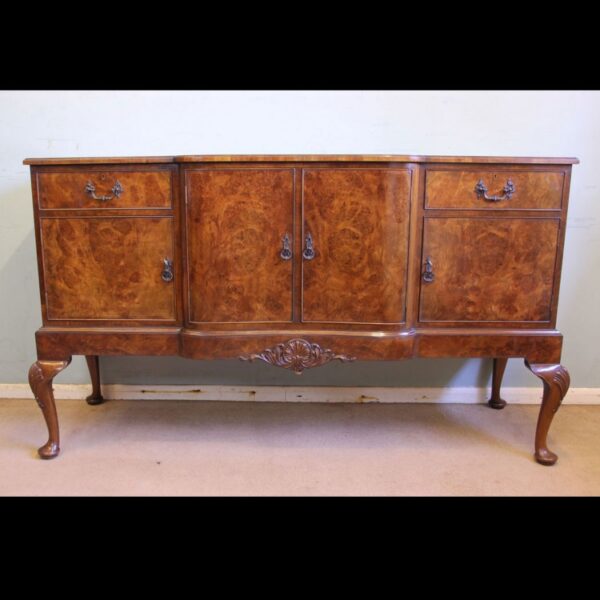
{"x": 241, "y": 393}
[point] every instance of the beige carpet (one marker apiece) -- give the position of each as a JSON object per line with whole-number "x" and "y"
{"x": 210, "y": 448}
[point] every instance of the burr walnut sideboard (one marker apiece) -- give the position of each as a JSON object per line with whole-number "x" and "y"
{"x": 301, "y": 260}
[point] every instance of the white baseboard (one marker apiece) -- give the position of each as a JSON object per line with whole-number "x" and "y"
{"x": 456, "y": 395}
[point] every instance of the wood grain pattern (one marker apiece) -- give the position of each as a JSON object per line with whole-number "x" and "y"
{"x": 61, "y": 342}
{"x": 141, "y": 189}
{"x": 236, "y": 221}
{"x": 489, "y": 269}
{"x": 359, "y": 222}
{"x": 107, "y": 268}
{"x": 456, "y": 189}
{"x": 544, "y": 346}
{"x": 200, "y": 158}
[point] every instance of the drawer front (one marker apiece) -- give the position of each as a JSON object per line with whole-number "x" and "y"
{"x": 83, "y": 189}
{"x": 501, "y": 190}
{"x": 108, "y": 268}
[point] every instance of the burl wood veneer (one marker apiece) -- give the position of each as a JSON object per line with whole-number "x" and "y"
{"x": 298, "y": 261}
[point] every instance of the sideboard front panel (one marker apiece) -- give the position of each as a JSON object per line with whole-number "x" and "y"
{"x": 98, "y": 268}
{"x": 236, "y": 223}
{"x": 358, "y": 220}
{"x": 489, "y": 269}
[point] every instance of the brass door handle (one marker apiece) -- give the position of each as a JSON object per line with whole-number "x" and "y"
{"x": 116, "y": 190}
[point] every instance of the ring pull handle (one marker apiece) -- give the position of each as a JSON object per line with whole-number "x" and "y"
{"x": 167, "y": 272}
{"x": 116, "y": 190}
{"x": 508, "y": 190}
{"x": 428, "y": 275}
{"x": 309, "y": 251}
{"x": 286, "y": 251}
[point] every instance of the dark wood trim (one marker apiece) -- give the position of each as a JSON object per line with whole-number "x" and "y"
{"x": 497, "y": 374}
{"x": 93, "y": 363}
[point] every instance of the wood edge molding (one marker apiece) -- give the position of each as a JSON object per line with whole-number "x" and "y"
{"x": 102, "y": 160}
{"x": 210, "y": 158}
{"x": 293, "y": 332}
{"x": 322, "y": 394}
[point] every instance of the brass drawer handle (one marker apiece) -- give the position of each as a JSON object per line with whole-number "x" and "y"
{"x": 167, "y": 272}
{"x": 508, "y": 189}
{"x": 309, "y": 252}
{"x": 286, "y": 252}
{"x": 116, "y": 190}
{"x": 428, "y": 275}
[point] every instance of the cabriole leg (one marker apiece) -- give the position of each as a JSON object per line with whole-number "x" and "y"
{"x": 41, "y": 374}
{"x": 93, "y": 364}
{"x": 498, "y": 372}
{"x": 556, "y": 383}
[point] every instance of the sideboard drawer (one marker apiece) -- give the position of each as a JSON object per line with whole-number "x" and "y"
{"x": 485, "y": 189}
{"x": 77, "y": 189}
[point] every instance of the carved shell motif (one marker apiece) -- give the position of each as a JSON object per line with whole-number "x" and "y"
{"x": 297, "y": 355}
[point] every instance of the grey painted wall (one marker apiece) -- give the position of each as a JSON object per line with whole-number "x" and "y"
{"x": 155, "y": 123}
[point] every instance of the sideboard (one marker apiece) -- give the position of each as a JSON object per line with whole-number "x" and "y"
{"x": 298, "y": 261}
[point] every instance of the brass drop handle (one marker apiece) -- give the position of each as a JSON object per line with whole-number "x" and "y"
{"x": 167, "y": 272}
{"x": 508, "y": 190}
{"x": 286, "y": 251}
{"x": 116, "y": 190}
{"x": 309, "y": 251}
{"x": 428, "y": 275}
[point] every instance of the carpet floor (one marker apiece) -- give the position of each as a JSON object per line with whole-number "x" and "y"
{"x": 191, "y": 448}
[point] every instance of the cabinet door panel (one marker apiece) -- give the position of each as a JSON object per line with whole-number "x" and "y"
{"x": 236, "y": 220}
{"x": 489, "y": 269}
{"x": 108, "y": 268}
{"x": 358, "y": 220}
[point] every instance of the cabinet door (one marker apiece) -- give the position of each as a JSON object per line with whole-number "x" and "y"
{"x": 494, "y": 269}
{"x": 108, "y": 268}
{"x": 236, "y": 222}
{"x": 358, "y": 222}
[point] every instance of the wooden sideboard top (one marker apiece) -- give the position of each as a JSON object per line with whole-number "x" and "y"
{"x": 191, "y": 158}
